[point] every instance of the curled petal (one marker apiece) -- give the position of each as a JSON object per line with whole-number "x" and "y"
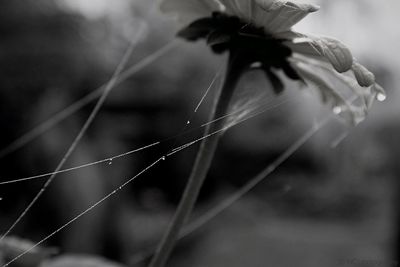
{"x": 189, "y": 10}
{"x": 364, "y": 77}
{"x": 326, "y": 48}
{"x": 336, "y": 52}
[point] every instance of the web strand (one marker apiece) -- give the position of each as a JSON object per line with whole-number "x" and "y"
{"x": 80, "y": 166}
{"x": 205, "y": 94}
{"x": 197, "y": 223}
{"x": 65, "y": 113}
{"x": 208, "y": 90}
{"x": 264, "y": 174}
{"x": 256, "y": 180}
{"x": 162, "y": 158}
{"x": 83, "y": 212}
{"x": 82, "y": 132}
{"x": 265, "y": 107}
{"x": 228, "y": 202}
{"x": 268, "y": 106}
{"x": 225, "y": 204}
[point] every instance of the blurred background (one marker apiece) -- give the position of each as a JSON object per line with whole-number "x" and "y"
{"x": 326, "y": 205}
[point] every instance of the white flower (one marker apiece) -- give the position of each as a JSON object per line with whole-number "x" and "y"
{"x": 273, "y": 16}
{"x": 323, "y": 62}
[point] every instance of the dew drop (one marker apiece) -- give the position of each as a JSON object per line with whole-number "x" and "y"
{"x": 337, "y": 110}
{"x": 110, "y": 161}
{"x": 163, "y": 158}
{"x": 381, "y": 97}
{"x": 188, "y": 122}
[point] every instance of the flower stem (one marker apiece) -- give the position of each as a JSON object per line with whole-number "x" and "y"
{"x": 201, "y": 166}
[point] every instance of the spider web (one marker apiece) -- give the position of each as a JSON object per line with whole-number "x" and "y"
{"x": 238, "y": 115}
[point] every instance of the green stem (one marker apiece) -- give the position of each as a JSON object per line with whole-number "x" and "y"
{"x": 201, "y": 166}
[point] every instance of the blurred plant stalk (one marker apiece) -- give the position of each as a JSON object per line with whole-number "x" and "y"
{"x": 202, "y": 163}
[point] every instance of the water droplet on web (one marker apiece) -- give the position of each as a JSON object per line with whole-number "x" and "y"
{"x": 110, "y": 161}
{"x": 188, "y": 122}
{"x": 337, "y": 110}
{"x": 163, "y": 158}
{"x": 381, "y": 97}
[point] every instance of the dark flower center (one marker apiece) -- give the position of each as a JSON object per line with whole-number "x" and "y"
{"x": 244, "y": 40}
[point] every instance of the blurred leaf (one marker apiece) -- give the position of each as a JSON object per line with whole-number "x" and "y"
{"x": 79, "y": 261}
{"x": 12, "y": 247}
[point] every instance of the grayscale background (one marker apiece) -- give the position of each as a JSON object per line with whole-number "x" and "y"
{"x": 324, "y": 206}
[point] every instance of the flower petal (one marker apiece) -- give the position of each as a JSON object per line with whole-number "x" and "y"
{"x": 261, "y": 14}
{"x": 282, "y": 15}
{"x": 336, "y": 52}
{"x": 189, "y": 10}
{"x": 364, "y": 77}
{"x": 244, "y": 9}
{"x": 337, "y": 101}
{"x": 288, "y": 35}
{"x": 306, "y": 48}
{"x": 379, "y": 89}
{"x": 345, "y": 79}
{"x": 324, "y": 47}
{"x": 265, "y": 4}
